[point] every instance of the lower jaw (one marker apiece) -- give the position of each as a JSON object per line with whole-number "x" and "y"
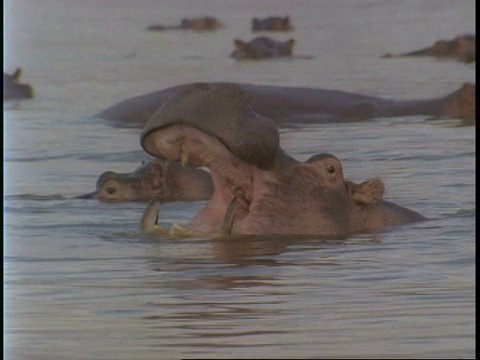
{"x": 225, "y": 222}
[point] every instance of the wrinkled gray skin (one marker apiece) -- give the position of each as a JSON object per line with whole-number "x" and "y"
{"x": 273, "y": 23}
{"x": 196, "y": 24}
{"x": 13, "y": 90}
{"x": 295, "y": 105}
{"x": 259, "y": 189}
{"x": 159, "y": 180}
{"x": 262, "y": 47}
{"x": 461, "y": 48}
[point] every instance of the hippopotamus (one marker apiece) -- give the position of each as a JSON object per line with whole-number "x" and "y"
{"x": 462, "y": 48}
{"x": 262, "y": 47}
{"x": 12, "y": 89}
{"x": 273, "y": 23}
{"x": 287, "y": 105}
{"x": 258, "y": 188}
{"x": 159, "y": 180}
{"x": 166, "y": 181}
{"x": 196, "y": 23}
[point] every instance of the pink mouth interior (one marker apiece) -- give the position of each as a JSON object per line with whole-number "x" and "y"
{"x": 232, "y": 177}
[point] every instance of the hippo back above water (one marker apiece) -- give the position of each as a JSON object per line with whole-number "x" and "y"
{"x": 461, "y": 48}
{"x": 207, "y": 23}
{"x": 288, "y": 105}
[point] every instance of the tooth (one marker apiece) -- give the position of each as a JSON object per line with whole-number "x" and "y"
{"x": 149, "y": 223}
{"x": 183, "y": 155}
{"x": 249, "y": 180}
{"x": 229, "y": 217}
{"x": 150, "y": 217}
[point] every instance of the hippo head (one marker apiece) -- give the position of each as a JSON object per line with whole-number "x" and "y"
{"x": 461, "y": 104}
{"x": 159, "y": 179}
{"x": 143, "y": 184}
{"x": 272, "y": 24}
{"x": 13, "y": 89}
{"x": 262, "y": 47}
{"x": 368, "y": 192}
{"x": 258, "y": 188}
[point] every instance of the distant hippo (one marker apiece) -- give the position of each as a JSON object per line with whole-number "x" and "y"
{"x": 197, "y": 24}
{"x": 12, "y": 89}
{"x": 258, "y": 188}
{"x": 273, "y": 23}
{"x": 262, "y": 47}
{"x": 159, "y": 180}
{"x": 462, "y": 48}
{"x": 298, "y": 105}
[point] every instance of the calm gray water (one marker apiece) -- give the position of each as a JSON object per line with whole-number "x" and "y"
{"x": 81, "y": 283}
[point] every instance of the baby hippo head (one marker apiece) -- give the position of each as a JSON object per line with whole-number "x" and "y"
{"x": 143, "y": 184}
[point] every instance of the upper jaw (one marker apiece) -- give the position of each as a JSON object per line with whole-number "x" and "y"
{"x": 233, "y": 179}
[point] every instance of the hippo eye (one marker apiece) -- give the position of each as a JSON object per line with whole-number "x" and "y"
{"x": 330, "y": 169}
{"x": 111, "y": 190}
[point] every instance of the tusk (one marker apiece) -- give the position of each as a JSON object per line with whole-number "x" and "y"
{"x": 229, "y": 217}
{"x": 183, "y": 155}
{"x": 149, "y": 222}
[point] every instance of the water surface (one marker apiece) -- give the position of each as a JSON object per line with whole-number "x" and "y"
{"x": 81, "y": 283}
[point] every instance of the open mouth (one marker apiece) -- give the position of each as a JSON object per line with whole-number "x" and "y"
{"x": 235, "y": 181}
{"x": 216, "y": 127}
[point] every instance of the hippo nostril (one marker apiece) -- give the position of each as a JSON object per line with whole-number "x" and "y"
{"x": 111, "y": 190}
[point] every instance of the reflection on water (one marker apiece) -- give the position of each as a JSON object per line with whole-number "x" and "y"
{"x": 81, "y": 282}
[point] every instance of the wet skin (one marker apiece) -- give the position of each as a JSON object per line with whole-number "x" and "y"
{"x": 259, "y": 189}
{"x": 166, "y": 181}
{"x": 273, "y": 23}
{"x": 13, "y": 90}
{"x": 159, "y": 180}
{"x": 461, "y": 48}
{"x": 197, "y": 24}
{"x": 368, "y": 211}
{"x": 262, "y": 47}
{"x": 288, "y": 106}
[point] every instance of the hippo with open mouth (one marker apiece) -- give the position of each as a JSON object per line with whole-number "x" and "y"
{"x": 258, "y": 188}
{"x": 288, "y": 105}
{"x": 159, "y": 180}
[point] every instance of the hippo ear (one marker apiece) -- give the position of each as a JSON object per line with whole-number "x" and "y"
{"x": 239, "y": 44}
{"x": 367, "y": 192}
{"x": 16, "y": 75}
